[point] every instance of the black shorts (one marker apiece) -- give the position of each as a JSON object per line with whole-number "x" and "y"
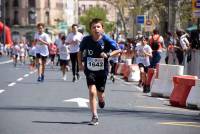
{"x": 142, "y": 66}
{"x": 52, "y": 57}
{"x": 38, "y": 56}
{"x": 64, "y": 62}
{"x": 98, "y": 81}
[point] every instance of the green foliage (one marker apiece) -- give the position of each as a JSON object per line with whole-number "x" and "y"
{"x": 185, "y": 12}
{"x": 96, "y": 12}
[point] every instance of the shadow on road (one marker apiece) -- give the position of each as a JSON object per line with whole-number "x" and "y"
{"x": 107, "y": 112}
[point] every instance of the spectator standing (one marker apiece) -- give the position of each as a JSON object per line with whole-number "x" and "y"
{"x": 157, "y": 44}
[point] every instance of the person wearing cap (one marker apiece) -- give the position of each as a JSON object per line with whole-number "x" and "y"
{"x": 143, "y": 54}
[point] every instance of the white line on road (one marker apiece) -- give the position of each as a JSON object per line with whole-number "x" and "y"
{"x": 4, "y": 62}
{"x": 20, "y": 79}
{"x": 1, "y": 91}
{"x": 26, "y": 75}
{"x": 11, "y": 84}
{"x": 82, "y": 102}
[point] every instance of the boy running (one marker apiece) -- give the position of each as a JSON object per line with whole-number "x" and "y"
{"x": 64, "y": 57}
{"x": 42, "y": 42}
{"x": 96, "y": 49}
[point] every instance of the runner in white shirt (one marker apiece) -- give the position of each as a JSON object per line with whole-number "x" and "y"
{"x": 32, "y": 56}
{"x": 42, "y": 41}
{"x": 15, "y": 53}
{"x": 22, "y": 53}
{"x": 58, "y": 43}
{"x": 143, "y": 54}
{"x": 73, "y": 40}
{"x": 64, "y": 57}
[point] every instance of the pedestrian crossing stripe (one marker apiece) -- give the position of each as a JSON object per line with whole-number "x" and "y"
{"x": 184, "y": 124}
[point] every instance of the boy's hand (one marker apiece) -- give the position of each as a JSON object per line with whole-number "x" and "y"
{"x": 104, "y": 55}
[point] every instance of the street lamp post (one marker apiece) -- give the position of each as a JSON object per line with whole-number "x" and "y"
{"x": 3, "y": 17}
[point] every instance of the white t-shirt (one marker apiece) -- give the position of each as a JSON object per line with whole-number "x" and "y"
{"x": 58, "y": 43}
{"x": 74, "y": 41}
{"x": 22, "y": 50}
{"x": 64, "y": 52}
{"x": 184, "y": 42}
{"x": 141, "y": 58}
{"x": 40, "y": 47}
{"x": 16, "y": 50}
{"x": 32, "y": 51}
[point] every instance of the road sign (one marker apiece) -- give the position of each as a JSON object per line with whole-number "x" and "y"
{"x": 196, "y": 8}
{"x": 140, "y": 19}
{"x": 148, "y": 25}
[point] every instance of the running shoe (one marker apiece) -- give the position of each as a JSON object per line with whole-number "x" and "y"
{"x": 94, "y": 121}
{"x": 102, "y": 104}
{"x": 74, "y": 79}
{"x": 65, "y": 77}
{"x": 140, "y": 84}
{"x": 112, "y": 78}
{"x": 78, "y": 76}
{"x": 42, "y": 77}
{"x": 39, "y": 78}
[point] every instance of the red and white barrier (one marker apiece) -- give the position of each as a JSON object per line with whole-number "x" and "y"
{"x": 193, "y": 100}
{"x": 119, "y": 68}
{"x": 182, "y": 86}
{"x": 134, "y": 74}
{"x": 163, "y": 85}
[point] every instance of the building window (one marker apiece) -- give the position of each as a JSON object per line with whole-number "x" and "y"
{"x": 47, "y": 18}
{"x": 31, "y": 3}
{"x": 105, "y": 7}
{"x": 15, "y": 3}
{"x": 79, "y": 11}
{"x": 83, "y": 8}
{"x": 90, "y": 6}
{"x": 31, "y": 17}
{"x": 16, "y": 18}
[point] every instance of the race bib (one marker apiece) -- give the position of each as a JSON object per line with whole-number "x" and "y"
{"x": 95, "y": 64}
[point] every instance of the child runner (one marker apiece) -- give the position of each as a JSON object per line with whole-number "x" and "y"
{"x": 64, "y": 57}
{"x": 42, "y": 42}
{"x": 143, "y": 54}
{"x": 97, "y": 48}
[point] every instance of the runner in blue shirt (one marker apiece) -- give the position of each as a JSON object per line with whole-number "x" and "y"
{"x": 95, "y": 50}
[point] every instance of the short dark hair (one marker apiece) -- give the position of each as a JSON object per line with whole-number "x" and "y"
{"x": 40, "y": 24}
{"x": 155, "y": 31}
{"x": 96, "y": 20}
{"x": 74, "y": 25}
{"x": 63, "y": 37}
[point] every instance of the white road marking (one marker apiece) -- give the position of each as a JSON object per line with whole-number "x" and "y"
{"x": 163, "y": 99}
{"x": 26, "y": 75}
{"x": 4, "y": 62}
{"x": 11, "y": 84}
{"x": 20, "y": 79}
{"x": 2, "y": 90}
{"x": 82, "y": 102}
{"x": 167, "y": 108}
{"x": 31, "y": 72}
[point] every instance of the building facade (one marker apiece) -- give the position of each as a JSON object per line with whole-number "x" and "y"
{"x": 23, "y": 15}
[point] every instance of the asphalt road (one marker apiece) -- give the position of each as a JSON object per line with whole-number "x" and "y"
{"x": 56, "y": 106}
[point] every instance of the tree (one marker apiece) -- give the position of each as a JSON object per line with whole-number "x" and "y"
{"x": 96, "y": 12}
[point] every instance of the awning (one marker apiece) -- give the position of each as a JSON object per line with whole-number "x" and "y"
{"x": 192, "y": 28}
{"x": 8, "y": 33}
